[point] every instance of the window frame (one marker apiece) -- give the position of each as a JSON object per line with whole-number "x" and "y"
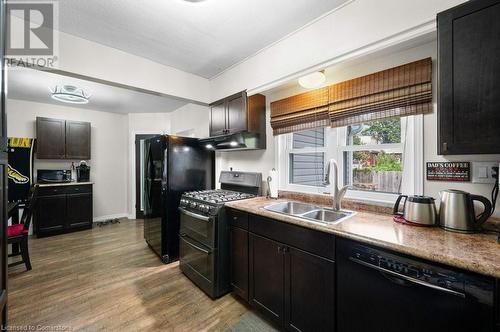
{"x": 413, "y": 170}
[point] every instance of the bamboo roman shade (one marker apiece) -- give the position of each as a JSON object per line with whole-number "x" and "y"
{"x": 301, "y": 112}
{"x": 400, "y": 91}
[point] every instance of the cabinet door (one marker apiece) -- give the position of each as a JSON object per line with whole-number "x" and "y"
{"x": 267, "y": 277}
{"x": 239, "y": 261}
{"x": 309, "y": 292}
{"x": 77, "y": 140}
{"x": 237, "y": 113}
{"x": 218, "y": 118}
{"x": 50, "y": 138}
{"x": 51, "y": 214}
{"x": 79, "y": 210}
{"x": 469, "y": 78}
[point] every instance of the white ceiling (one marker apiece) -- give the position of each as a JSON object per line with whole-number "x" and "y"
{"x": 202, "y": 38}
{"x": 34, "y": 85}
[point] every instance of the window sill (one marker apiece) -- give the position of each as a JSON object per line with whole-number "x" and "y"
{"x": 347, "y": 203}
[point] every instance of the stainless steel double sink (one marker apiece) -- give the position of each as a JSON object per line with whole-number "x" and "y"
{"x": 310, "y": 212}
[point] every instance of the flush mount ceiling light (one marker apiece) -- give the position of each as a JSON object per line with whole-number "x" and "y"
{"x": 69, "y": 94}
{"x": 312, "y": 80}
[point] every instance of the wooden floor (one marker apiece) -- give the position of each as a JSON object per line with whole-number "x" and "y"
{"x": 108, "y": 279}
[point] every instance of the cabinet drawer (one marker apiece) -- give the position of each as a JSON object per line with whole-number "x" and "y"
{"x": 58, "y": 190}
{"x": 316, "y": 242}
{"x": 238, "y": 219}
{"x": 78, "y": 189}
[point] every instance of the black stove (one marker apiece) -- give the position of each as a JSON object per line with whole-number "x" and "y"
{"x": 214, "y": 198}
{"x": 204, "y": 232}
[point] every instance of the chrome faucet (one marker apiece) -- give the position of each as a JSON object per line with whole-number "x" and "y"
{"x": 337, "y": 194}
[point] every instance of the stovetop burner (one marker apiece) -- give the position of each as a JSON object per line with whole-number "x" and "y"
{"x": 217, "y": 196}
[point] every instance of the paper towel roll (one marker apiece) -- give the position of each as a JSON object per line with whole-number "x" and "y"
{"x": 272, "y": 183}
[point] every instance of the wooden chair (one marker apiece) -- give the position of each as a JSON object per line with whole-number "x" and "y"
{"x": 18, "y": 233}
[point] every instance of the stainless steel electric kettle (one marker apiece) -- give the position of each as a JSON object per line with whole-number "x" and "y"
{"x": 456, "y": 212}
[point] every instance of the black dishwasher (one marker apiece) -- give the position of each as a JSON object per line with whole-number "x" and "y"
{"x": 379, "y": 290}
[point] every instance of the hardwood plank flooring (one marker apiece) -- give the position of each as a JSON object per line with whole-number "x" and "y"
{"x": 108, "y": 279}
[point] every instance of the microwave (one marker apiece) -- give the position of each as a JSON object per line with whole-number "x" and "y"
{"x": 53, "y": 175}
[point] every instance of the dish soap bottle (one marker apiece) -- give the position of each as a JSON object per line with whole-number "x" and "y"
{"x": 73, "y": 172}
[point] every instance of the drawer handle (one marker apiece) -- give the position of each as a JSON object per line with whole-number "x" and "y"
{"x": 235, "y": 218}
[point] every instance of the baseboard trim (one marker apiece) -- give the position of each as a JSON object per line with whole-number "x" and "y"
{"x": 111, "y": 216}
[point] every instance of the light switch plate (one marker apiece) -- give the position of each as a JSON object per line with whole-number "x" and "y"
{"x": 482, "y": 171}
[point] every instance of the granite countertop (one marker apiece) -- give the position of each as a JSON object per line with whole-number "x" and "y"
{"x": 474, "y": 252}
{"x": 72, "y": 183}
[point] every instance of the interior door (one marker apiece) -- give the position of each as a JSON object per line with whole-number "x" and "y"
{"x": 3, "y": 176}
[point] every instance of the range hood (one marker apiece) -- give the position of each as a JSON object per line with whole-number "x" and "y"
{"x": 237, "y": 141}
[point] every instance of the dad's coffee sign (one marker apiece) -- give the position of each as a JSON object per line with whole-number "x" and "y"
{"x": 448, "y": 171}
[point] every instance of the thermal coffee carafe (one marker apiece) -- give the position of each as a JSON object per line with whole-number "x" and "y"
{"x": 457, "y": 213}
{"x": 417, "y": 211}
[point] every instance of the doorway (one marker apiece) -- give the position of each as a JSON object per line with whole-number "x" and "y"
{"x": 139, "y": 173}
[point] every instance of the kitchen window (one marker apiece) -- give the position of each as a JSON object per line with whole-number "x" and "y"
{"x": 377, "y": 159}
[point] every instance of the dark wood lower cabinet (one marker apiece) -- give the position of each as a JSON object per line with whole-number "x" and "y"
{"x": 267, "y": 281}
{"x": 309, "y": 292}
{"x": 51, "y": 214}
{"x": 239, "y": 261}
{"x": 78, "y": 210}
{"x": 62, "y": 209}
{"x": 289, "y": 284}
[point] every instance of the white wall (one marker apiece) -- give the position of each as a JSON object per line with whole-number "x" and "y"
{"x": 109, "y": 149}
{"x": 190, "y": 120}
{"x": 361, "y": 26}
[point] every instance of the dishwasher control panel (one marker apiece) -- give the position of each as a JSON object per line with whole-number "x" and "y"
{"x": 398, "y": 265}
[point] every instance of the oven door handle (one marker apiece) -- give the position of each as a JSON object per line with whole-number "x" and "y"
{"x": 194, "y": 215}
{"x": 184, "y": 237}
{"x": 409, "y": 279}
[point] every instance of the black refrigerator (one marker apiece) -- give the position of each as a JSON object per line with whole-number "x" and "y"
{"x": 173, "y": 165}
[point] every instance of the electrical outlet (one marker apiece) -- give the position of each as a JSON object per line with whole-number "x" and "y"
{"x": 482, "y": 172}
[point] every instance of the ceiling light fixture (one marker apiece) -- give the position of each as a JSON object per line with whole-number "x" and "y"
{"x": 313, "y": 80}
{"x": 69, "y": 94}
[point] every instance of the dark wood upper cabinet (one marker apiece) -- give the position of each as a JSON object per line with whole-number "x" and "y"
{"x": 51, "y": 138}
{"x": 238, "y": 113}
{"x": 61, "y": 139}
{"x": 469, "y": 78}
{"x": 77, "y": 140}
{"x": 218, "y": 118}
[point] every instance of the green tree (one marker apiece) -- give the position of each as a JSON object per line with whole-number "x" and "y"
{"x": 384, "y": 131}
{"x": 387, "y": 162}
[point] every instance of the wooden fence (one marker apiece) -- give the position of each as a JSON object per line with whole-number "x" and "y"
{"x": 389, "y": 181}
